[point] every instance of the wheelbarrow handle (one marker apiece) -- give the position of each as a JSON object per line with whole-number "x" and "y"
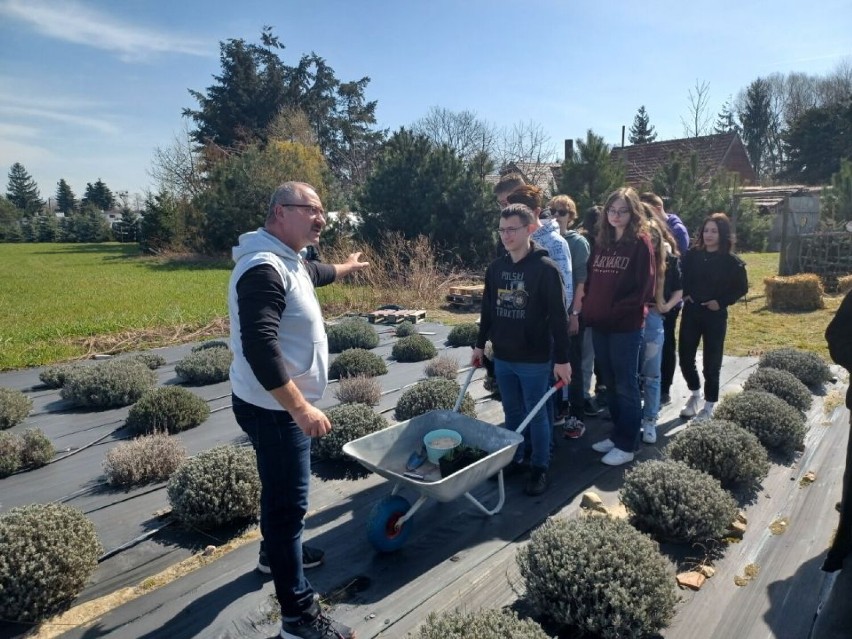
{"x": 559, "y": 384}
{"x": 463, "y": 390}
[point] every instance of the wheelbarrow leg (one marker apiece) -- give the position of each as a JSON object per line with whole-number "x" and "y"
{"x": 501, "y": 499}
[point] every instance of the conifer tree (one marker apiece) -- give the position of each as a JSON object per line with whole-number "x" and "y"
{"x": 589, "y": 175}
{"x": 22, "y": 190}
{"x": 99, "y": 196}
{"x": 65, "y": 200}
{"x": 642, "y": 132}
{"x": 726, "y": 121}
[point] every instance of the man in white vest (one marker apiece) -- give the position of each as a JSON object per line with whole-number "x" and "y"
{"x": 280, "y": 370}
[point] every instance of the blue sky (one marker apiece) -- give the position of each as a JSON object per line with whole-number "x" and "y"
{"x": 90, "y": 88}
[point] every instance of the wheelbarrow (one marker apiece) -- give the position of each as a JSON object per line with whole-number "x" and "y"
{"x": 388, "y": 451}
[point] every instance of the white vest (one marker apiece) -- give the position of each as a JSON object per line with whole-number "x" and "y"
{"x": 301, "y": 333}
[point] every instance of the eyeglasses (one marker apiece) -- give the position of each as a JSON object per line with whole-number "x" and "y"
{"x": 316, "y": 210}
{"x": 618, "y": 212}
{"x": 510, "y": 230}
{"x": 560, "y": 212}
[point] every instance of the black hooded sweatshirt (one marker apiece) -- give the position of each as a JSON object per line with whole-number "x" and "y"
{"x": 523, "y": 309}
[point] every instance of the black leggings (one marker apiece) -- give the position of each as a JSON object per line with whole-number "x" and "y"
{"x": 669, "y": 364}
{"x": 701, "y": 324}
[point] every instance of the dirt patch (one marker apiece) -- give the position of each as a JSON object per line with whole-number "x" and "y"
{"x": 143, "y": 339}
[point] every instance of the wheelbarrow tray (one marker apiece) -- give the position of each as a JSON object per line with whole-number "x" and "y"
{"x": 387, "y": 451}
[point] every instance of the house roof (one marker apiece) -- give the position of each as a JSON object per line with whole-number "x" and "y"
{"x": 715, "y": 152}
{"x": 771, "y": 196}
{"x": 544, "y": 175}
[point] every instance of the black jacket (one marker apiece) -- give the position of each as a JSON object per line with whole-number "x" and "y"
{"x": 713, "y": 276}
{"x": 839, "y": 338}
{"x": 523, "y": 309}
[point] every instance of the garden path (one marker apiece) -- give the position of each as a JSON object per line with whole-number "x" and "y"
{"x": 454, "y": 557}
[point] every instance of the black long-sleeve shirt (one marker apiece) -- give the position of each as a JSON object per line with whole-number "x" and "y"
{"x": 713, "y": 275}
{"x": 523, "y": 309}
{"x": 262, "y": 299}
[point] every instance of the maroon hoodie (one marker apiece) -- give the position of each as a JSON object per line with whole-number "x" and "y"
{"x": 619, "y": 286}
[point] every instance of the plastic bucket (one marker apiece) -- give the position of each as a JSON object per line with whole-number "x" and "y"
{"x": 439, "y": 442}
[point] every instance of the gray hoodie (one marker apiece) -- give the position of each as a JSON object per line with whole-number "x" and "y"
{"x": 301, "y": 332}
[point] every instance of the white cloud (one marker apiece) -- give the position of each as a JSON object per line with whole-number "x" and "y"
{"x": 33, "y": 112}
{"x": 73, "y": 22}
{"x": 7, "y": 129}
{"x": 12, "y": 151}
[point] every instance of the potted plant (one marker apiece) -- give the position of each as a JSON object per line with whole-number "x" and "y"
{"x": 458, "y": 458}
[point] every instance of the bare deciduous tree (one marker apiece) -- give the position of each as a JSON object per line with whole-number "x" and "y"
{"x": 462, "y": 131}
{"x": 837, "y": 86}
{"x": 177, "y": 168}
{"x": 527, "y": 143}
{"x": 699, "y": 120}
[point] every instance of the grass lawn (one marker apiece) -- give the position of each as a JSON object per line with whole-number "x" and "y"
{"x": 754, "y": 329}
{"x": 63, "y": 301}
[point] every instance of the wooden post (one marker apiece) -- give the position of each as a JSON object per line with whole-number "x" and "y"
{"x": 783, "y": 261}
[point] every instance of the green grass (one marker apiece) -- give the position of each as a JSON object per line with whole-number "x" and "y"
{"x": 63, "y": 301}
{"x": 753, "y": 329}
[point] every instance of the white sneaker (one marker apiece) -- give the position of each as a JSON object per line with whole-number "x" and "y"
{"x": 649, "y": 433}
{"x": 690, "y": 408}
{"x": 603, "y": 446}
{"x": 617, "y": 457}
{"x": 703, "y": 415}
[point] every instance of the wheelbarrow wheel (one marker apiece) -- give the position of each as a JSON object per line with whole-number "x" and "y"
{"x": 381, "y": 527}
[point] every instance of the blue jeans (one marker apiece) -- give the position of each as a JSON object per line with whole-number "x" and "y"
{"x": 521, "y": 386}
{"x": 618, "y": 357}
{"x": 284, "y": 464}
{"x": 650, "y": 367}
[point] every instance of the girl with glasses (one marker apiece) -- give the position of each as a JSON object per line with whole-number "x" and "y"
{"x": 620, "y": 285}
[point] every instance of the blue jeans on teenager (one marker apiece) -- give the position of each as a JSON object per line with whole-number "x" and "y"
{"x": 651, "y": 365}
{"x": 617, "y": 354}
{"x": 521, "y": 386}
{"x": 284, "y": 464}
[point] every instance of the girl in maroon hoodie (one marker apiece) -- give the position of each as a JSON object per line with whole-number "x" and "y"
{"x": 619, "y": 287}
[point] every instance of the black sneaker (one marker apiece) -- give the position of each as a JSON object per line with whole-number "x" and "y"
{"x": 537, "y": 483}
{"x": 514, "y": 469}
{"x": 314, "y": 625}
{"x": 311, "y": 558}
{"x": 590, "y": 407}
{"x": 573, "y": 429}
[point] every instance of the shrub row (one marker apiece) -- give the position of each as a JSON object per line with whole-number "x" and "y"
{"x": 47, "y": 554}
{"x": 14, "y": 407}
{"x": 169, "y": 409}
{"x": 218, "y": 486}
{"x": 598, "y": 575}
{"x": 351, "y": 333}
{"x": 348, "y": 422}
{"x": 776, "y": 424}
{"x": 357, "y": 361}
{"x": 359, "y": 389}
{"x": 432, "y": 394}
{"x": 112, "y": 383}
{"x": 209, "y": 365}
{"x": 414, "y": 348}
{"x": 30, "y": 450}
{"x": 675, "y": 502}
{"x": 485, "y": 624}
{"x": 146, "y": 459}
{"x": 809, "y": 368}
{"x": 782, "y": 384}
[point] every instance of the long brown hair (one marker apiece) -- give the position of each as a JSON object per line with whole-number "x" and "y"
{"x": 637, "y": 226}
{"x": 726, "y": 237}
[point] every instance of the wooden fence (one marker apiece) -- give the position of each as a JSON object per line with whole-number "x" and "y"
{"x": 827, "y": 254}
